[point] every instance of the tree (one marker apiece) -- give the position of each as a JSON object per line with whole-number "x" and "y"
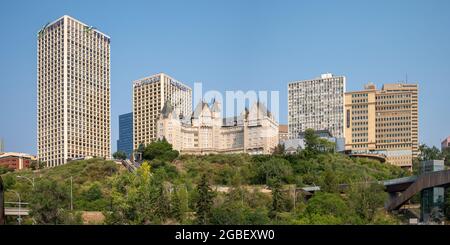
{"x": 323, "y": 203}
{"x": 426, "y": 153}
{"x": 314, "y": 144}
{"x": 446, "y": 156}
{"x": 93, "y": 193}
{"x": 279, "y": 149}
{"x": 279, "y": 200}
{"x": 204, "y": 202}
{"x": 4, "y": 170}
{"x": 447, "y": 203}
{"x": 161, "y": 150}
{"x": 330, "y": 181}
{"x": 35, "y": 165}
{"x": 311, "y": 141}
{"x": 160, "y": 201}
{"x": 366, "y": 199}
{"x": 180, "y": 204}
{"x": 49, "y": 202}
{"x": 120, "y": 155}
{"x": 274, "y": 168}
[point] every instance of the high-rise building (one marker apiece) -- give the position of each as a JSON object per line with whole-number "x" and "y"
{"x": 445, "y": 143}
{"x": 73, "y": 85}
{"x": 125, "y": 141}
{"x": 149, "y": 97}
{"x": 383, "y": 122}
{"x": 317, "y": 104}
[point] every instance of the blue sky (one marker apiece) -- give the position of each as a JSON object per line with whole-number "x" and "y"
{"x": 237, "y": 45}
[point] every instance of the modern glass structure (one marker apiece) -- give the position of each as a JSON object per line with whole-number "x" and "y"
{"x": 432, "y": 199}
{"x": 125, "y": 141}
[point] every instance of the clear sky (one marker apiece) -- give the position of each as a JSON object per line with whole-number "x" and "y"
{"x": 237, "y": 45}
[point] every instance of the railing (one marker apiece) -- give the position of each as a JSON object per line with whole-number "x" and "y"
{"x": 16, "y": 208}
{"x": 424, "y": 181}
{"x": 129, "y": 165}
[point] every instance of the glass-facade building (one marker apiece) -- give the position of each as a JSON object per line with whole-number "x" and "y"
{"x": 125, "y": 141}
{"x": 432, "y": 199}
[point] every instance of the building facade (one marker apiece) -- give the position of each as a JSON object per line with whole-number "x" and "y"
{"x": 149, "y": 96}
{"x": 254, "y": 131}
{"x": 73, "y": 92}
{"x": 15, "y": 160}
{"x": 317, "y": 104}
{"x": 445, "y": 143}
{"x": 383, "y": 122}
{"x": 292, "y": 146}
{"x": 283, "y": 133}
{"x": 431, "y": 199}
{"x": 125, "y": 141}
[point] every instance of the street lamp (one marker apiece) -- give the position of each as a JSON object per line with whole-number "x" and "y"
{"x": 20, "y": 206}
{"x": 71, "y": 193}
{"x": 27, "y": 178}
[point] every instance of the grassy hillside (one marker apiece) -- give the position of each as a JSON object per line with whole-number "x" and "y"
{"x": 165, "y": 190}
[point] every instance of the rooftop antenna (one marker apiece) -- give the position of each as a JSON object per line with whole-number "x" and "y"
{"x": 407, "y": 77}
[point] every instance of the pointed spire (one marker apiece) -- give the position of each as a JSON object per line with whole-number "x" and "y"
{"x": 167, "y": 109}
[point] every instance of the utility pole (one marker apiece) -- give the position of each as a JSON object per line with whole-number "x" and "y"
{"x": 295, "y": 195}
{"x": 27, "y": 178}
{"x": 2, "y": 203}
{"x": 71, "y": 194}
{"x": 20, "y": 207}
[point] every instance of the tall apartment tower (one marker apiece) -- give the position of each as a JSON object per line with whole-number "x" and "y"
{"x": 317, "y": 104}
{"x": 125, "y": 141}
{"x": 384, "y": 122}
{"x": 73, "y": 100}
{"x": 149, "y": 97}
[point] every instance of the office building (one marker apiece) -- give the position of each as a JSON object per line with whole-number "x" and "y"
{"x": 317, "y": 104}
{"x": 2, "y": 145}
{"x": 125, "y": 141}
{"x": 383, "y": 122}
{"x": 149, "y": 96}
{"x": 283, "y": 133}
{"x": 73, "y": 92}
{"x": 254, "y": 131}
{"x": 15, "y": 160}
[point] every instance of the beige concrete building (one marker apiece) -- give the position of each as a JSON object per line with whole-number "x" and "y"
{"x": 317, "y": 104}
{"x": 149, "y": 96}
{"x": 254, "y": 131}
{"x": 73, "y": 100}
{"x": 283, "y": 133}
{"x": 383, "y": 122}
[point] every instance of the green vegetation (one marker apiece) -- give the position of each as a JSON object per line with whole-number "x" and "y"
{"x": 211, "y": 189}
{"x": 120, "y": 155}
